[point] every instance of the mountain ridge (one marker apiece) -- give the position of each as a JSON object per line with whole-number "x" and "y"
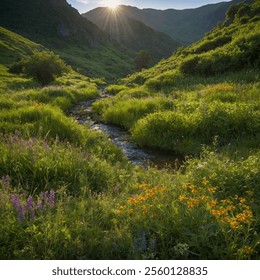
{"x": 135, "y": 34}
{"x": 185, "y": 26}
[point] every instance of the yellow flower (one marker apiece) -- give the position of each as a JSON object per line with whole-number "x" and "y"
{"x": 242, "y": 200}
{"x": 213, "y": 203}
{"x": 241, "y": 217}
{"x": 182, "y": 198}
{"x": 205, "y": 182}
{"x": 192, "y": 202}
{"x": 233, "y": 223}
{"x": 212, "y": 190}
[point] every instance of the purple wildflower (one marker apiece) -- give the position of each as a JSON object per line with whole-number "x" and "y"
{"x": 16, "y": 137}
{"x": 30, "y": 206}
{"x": 44, "y": 196}
{"x": 16, "y": 201}
{"x": 29, "y": 203}
{"x": 52, "y": 197}
{"x": 21, "y": 212}
{"x": 18, "y": 206}
{"x": 39, "y": 204}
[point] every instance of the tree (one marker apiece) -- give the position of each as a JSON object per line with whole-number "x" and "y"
{"x": 42, "y": 66}
{"x": 142, "y": 60}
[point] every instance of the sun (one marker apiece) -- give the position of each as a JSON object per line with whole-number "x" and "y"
{"x": 112, "y": 4}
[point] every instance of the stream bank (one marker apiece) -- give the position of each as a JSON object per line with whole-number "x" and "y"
{"x": 120, "y": 137}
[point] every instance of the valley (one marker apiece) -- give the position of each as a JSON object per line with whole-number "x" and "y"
{"x": 99, "y": 161}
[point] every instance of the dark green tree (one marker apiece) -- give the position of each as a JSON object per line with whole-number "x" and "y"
{"x": 142, "y": 60}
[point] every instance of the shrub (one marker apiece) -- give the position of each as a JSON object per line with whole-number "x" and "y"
{"x": 142, "y": 60}
{"x": 42, "y": 66}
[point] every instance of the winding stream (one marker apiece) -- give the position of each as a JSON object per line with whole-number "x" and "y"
{"x": 136, "y": 155}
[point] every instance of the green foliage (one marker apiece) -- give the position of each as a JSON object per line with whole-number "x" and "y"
{"x": 42, "y": 66}
{"x": 66, "y": 192}
{"x": 142, "y": 60}
{"x": 14, "y": 47}
{"x": 114, "y": 89}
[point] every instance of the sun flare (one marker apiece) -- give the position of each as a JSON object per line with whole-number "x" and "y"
{"x": 112, "y": 4}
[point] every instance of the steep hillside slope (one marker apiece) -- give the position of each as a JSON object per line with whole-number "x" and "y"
{"x": 203, "y": 94}
{"x": 48, "y": 19}
{"x": 14, "y": 46}
{"x": 59, "y": 27}
{"x": 184, "y": 26}
{"x": 132, "y": 33}
{"x": 230, "y": 47}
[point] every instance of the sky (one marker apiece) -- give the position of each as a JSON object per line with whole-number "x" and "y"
{"x": 86, "y": 5}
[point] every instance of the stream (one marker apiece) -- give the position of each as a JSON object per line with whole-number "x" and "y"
{"x": 120, "y": 137}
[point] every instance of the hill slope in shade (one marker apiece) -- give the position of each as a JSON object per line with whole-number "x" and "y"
{"x": 184, "y": 26}
{"x": 59, "y": 27}
{"x": 132, "y": 33}
{"x": 48, "y": 20}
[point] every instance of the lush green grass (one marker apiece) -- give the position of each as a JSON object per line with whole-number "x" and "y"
{"x": 66, "y": 192}
{"x": 14, "y": 46}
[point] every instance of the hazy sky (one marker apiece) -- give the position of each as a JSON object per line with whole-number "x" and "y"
{"x": 86, "y": 5}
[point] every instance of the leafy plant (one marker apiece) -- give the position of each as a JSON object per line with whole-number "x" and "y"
{"x": 42, "y": 66}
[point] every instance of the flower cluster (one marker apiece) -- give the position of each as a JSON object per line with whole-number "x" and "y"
{"x": 145, "y": 202}
{"x": 16, "y": 142}
{"x": 27, "y": 209}
{"x": 233, "y": 212}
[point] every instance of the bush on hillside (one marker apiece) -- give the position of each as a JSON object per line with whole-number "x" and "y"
{"x": 41, "y": 66}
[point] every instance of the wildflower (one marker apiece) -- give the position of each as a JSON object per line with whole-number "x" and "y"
{"x": 52, "y": 197}
{"x": 182, "y": 198}
{"x": 21, "y": 213}
{"x": 241, "y": 217}
{"x": 30, "y": 206}
{"x": 213, "y": 203}
{"x": 192, "y": 202}
{"x": 16, "y": 201}
{"x": 44, "y": 196}
{"x": 18, "y": 206}
{"x": 205, "y": 182}
{"x": 39, "y": 204}
{"x": 212, "y": 190}
{"x": 234, "y": 224}
{"x": 242, "y": 200}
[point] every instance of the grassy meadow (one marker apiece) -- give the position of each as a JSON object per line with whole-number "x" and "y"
{"x": 66, "y": 192}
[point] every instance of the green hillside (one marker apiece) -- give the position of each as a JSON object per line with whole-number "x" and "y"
{"x": 68, "y": 193}
{"x": 59, "y": 27}
{"x": 133, "y": 34}
{"x": 13, "y": 46}
{"x": 231, "y": 46}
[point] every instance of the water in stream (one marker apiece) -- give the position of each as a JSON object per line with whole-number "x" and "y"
{"x": 121, "y": 138}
